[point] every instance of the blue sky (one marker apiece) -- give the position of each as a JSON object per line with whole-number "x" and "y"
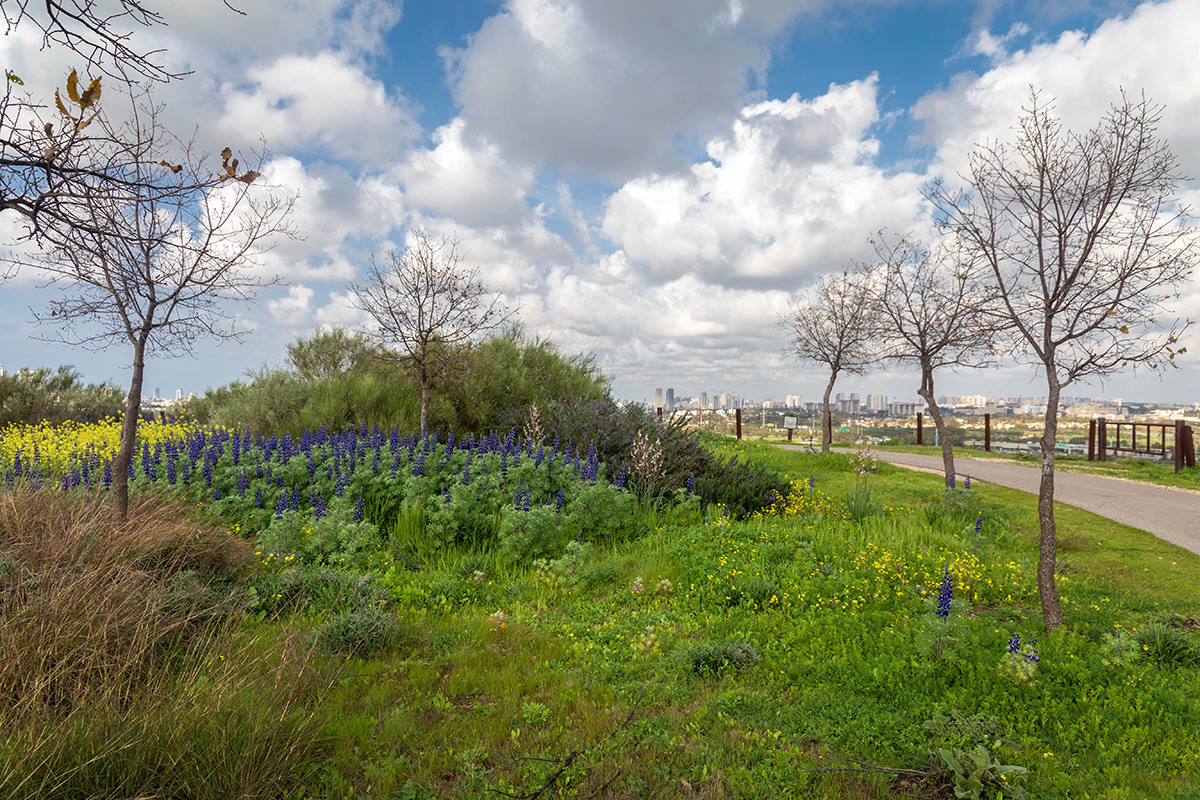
{"x": 651, "y": 181}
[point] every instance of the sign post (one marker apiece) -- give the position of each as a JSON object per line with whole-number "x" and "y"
{"x": 790, "y": 424}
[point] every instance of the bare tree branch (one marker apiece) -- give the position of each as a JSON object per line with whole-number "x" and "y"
{"x": 99, "y": 32}
{"x": 928, "y": 310}
{"x": 1086, "y": 243}
{"x": 831, "y": 326}
{"x": 427, "y": 307}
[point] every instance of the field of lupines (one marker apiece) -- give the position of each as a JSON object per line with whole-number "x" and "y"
{"x": 326, "y": 498}
{"x": 517, "y": 624}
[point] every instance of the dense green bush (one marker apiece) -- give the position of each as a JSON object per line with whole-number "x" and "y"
{"x": 30, "y": 396}
{"x": 338, "y": 380}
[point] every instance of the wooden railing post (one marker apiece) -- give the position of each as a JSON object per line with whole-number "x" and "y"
{"x": 1179, "y": 437}
{"x": 987, "y": 433}
{"x": 1102, "y": 437}
{"x": 920, "y": 432}
{"x": 737, "y": 416}
{"x": 1091, "y": 440}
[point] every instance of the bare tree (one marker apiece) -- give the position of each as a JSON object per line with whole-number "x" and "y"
{"x": 927, "y": 308}
{"x": 428, "y": 306}
{"x": 1086, "y": 242}
{"x": 830, "y": 326}
{"x": 152, "y": 265}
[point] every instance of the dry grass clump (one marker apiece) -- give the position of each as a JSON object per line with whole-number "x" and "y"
{"x": 124, "y": 669}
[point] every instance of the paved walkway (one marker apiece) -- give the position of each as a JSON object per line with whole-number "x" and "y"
{"x": 1172, "y": 515}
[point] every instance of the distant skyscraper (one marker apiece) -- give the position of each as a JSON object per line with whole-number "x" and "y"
{"x": 658, "y": 398}
{"x": 179, "y": 394}
{"x": 704, "y": 401}
{"x": 670, "y": 405}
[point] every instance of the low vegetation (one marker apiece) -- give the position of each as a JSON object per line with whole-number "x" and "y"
{"x": 864, "y": 634}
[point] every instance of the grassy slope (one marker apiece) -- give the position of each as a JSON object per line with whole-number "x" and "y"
{"x": 588, "y": 688}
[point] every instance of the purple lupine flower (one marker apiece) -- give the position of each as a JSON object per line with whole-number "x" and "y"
{"x": 946, "y": 595}
{"x": 281, "y": 505}
{"x": 1032, "y": 655}
{"x": 979, "y": 522}
{"x": 243, "y": 483}
{"x": 359, "y": 506}
{"x": 171, "y": 471}
{"x": 1014, "y": 643}
{"x": 217, "y": 493}
{"x": 968, "y": 486}
{"x": 619, "y": 480}
{"x": 691, "y": 483}
{"x": 258, "y": 497}
{"x": 953, "y": 481}
{"x": 108, "y": 478}
{"x": 558, "y": 502}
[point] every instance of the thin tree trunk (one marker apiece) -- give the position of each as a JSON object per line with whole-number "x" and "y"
{"x": 133, "y": 410}
{"x": 926, "y": 392}
{"x": 827, "y": 416}
{"x": 1048, "y": 551}
{"x": 424, "y": 402}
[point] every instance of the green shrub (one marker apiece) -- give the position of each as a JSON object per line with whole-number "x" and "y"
{"x": 361, "y": 633}
{"x": 1166, "y": 646}
{"x": 710, "y": 658}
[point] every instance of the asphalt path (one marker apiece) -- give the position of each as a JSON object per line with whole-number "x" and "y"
{"x": 1172, "y": 515}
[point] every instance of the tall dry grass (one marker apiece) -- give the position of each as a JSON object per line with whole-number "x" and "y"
{"x": 125, "y": 666}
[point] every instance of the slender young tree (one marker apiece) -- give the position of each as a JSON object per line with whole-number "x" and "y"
{"x": 1086, "y": 242}
{"x": 831, "y": 326}
{"x": 152, "y": 266}
{"x": 927, "y": 308}
{"x": 427, "y": 307}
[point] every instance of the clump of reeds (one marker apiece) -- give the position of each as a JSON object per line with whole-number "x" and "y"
{"x": 124, "y": 666}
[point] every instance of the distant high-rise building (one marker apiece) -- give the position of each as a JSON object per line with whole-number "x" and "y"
{"x": 670, "y": 404}
{"x": 658, "y": 398}
{"x": 156, "y": 393}
{"x": 877, "y": 402}
{"x": 179, "y": 394}
{"x": 704, "y": 401}
{"x": 793, "y": 401}
{"x": 2, "y": 372}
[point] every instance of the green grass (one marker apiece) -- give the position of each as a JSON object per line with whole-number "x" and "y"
{"x": 707, "y": 659}
{"x": 595, "y": 688}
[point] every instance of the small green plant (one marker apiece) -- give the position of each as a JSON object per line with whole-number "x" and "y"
{"x": 1118, "y": 647}
{"x": 1166, "y": 646}
{"x": 711, "y": 658}
{"x": 596, "y": 575}
{"x": 859, "y": 503}
{"x": 1021, "y": 660}
{"x": 361, "y": 633}
{"x": 941, "y": 623}
{"x": 763, "y": 594}
{"x": 534, "y": 714}
{"x": 977, "y": 773}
